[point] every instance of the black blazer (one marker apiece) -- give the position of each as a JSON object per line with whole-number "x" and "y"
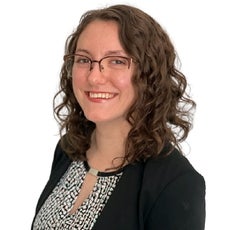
{"x": 160, "y": 194}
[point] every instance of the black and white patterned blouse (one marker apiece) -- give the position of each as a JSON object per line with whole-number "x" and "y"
{"x": 55, "y": 212}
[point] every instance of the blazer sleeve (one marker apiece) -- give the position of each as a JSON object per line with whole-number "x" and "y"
{"x": 180, "y": 206}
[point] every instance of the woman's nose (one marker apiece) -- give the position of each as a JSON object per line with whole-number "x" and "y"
{"x": 96, "y": 74}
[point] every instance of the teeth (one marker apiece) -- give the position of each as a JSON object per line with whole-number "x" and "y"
{"x": 101, "y": 95}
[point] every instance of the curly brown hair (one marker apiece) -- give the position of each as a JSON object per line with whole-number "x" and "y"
{"x": 163, "y": 110}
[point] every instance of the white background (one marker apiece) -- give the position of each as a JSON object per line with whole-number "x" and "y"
{"x": 32, "y": 37}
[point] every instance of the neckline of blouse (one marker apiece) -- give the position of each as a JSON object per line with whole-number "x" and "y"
{"x": 96, "y": 172}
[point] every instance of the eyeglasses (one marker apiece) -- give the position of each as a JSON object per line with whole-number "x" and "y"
{"x": 106, "y": 64}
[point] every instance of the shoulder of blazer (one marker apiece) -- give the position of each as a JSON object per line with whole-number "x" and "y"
{"x": 61, "y": 161}
{"x": 160, "y": 172}
{"x": 60, "y": 164}
{"x": 169, "y": 165}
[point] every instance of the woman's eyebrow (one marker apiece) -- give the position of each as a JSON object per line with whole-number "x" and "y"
{"x": 114, "y": 52}
{"x": 82, "y": 51}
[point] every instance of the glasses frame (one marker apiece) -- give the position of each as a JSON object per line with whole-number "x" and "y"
{"x": 66, "y": 57}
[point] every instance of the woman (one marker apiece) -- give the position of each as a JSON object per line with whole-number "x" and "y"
{"x": 123, "y": 113}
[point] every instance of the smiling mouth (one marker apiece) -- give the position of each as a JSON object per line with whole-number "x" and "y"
{"x": 100, "y": 95}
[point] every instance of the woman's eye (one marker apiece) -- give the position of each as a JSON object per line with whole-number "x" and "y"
{"x": 118, "y": 61}
{"x": 82, "y": 60}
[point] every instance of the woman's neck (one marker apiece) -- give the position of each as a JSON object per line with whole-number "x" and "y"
{"x": 107, "y": 146}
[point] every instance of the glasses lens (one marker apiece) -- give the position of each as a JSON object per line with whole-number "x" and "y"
{"x": 82, "y": 61}
{"x": 115, "y": 62}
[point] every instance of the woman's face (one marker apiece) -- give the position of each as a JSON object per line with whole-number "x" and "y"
{"x": 106, "y": 95}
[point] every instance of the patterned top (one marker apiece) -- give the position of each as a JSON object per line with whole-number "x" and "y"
{"x": 55, "y": 212}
